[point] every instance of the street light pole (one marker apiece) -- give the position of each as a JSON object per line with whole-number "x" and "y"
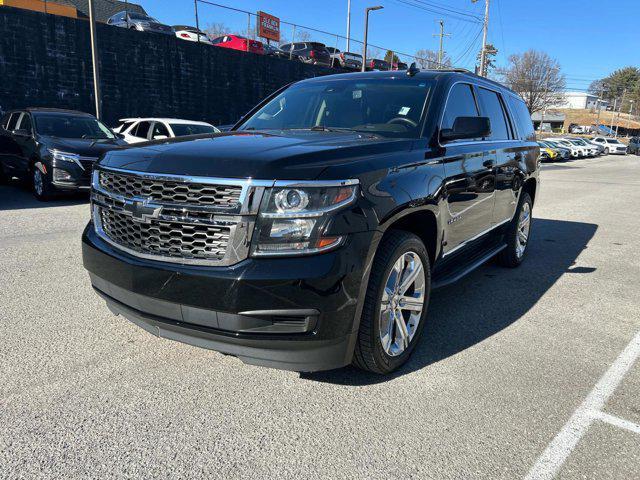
{"x": 94, "y": 59}
{"x": 441, "y": 49}
{"x": 366, "y": 32}
{"x": 348, "y": 24}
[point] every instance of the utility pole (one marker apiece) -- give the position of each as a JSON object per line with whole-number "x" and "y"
{"x": 195, "y": 6}
{"x": 624, "y": 92}
{"x": 348, "y": 24}
{"x": 615, "y": 103}
{"x": 485, "y": 29}
{"x": 94, "y": 59}
{"x": 599, "y": 102}
{"x": 441, "y": 50}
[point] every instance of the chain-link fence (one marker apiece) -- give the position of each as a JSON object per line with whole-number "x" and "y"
{"x": 217, "y": 19}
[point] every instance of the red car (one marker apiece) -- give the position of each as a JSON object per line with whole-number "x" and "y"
{"x": 236, "y": 42}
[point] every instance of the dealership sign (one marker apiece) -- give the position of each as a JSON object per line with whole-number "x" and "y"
{"x": 268, "y": 26}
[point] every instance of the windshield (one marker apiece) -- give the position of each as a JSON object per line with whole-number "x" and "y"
{"x": 387, "y": 107}
{"x": 140, "y": 16}
{"x": 69, "y": 126}
{"x": 611, "y": 140}
{"x": 182, "y": 129}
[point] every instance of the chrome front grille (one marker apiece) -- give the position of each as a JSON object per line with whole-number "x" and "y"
{"x": 226, "y": 196}
{"x": 171, "y": 239}
{"x": 172, "y": 218}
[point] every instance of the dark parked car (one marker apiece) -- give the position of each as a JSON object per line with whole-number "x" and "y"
{"x": 53, "y": 149}
{"x": 312, "y": 234}
{"x": 140, "y": 22}
{"x": 309, "y": 52}
{"x": 634, "y": 146}
{"x": 274, "y": 51}
{"x": 375, "y": 64}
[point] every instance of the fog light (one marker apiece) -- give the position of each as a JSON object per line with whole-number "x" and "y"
{"x": 60, "y": 175}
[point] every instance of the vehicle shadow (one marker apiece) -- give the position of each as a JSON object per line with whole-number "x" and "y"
{"x": 14, "y": 196}
{"x": 487, "y": 301}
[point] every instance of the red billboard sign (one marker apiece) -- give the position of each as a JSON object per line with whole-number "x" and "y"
{"x": 268, "y": 26}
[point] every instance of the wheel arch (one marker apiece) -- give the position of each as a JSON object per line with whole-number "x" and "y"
{"x": 530, "y": 186}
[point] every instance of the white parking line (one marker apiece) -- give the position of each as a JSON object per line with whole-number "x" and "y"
{"x": 618, "y": 422}
{"x": 566, "y": 440}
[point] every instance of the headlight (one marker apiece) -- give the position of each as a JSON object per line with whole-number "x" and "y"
{"x": 293, "y": 218}
{"x": 66, "y": 157}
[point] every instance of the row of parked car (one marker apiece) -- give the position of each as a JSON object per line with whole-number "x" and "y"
{"x": 54, "y": 150}
{"x": 307, "y": 52}
{"x": 565, "y": 148}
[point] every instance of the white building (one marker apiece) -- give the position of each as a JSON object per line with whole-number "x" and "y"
{"x": 582, "y": 100}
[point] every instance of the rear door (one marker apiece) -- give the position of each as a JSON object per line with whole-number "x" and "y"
{"x": 502, "y": 153}
{"x": 470, "y": 180}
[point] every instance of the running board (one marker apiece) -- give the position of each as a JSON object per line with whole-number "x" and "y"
{"x": 456, "y": 275}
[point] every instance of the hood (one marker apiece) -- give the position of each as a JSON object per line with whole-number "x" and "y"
{"x": 81, "y": 146}
{"x": 298, "y": 155}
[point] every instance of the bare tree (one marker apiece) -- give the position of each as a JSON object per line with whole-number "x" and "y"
{"x": 428, "y": 59}
{"x": 303, "y": 36}
{"x": 537, "y": 77}
{"x": 217, "y": 29}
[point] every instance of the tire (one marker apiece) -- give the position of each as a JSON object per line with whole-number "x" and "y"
{"x": 606, "y": 151}
{"x": 41, "y": 186}
{"x": 513, "y": 255}
{"x": 371, "y": 353}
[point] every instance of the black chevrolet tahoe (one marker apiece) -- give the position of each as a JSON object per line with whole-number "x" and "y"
{"x": 311, "y": 235}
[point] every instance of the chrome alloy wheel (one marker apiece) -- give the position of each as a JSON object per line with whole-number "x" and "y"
{"x": 402, "y": 303}
{"x": 524, "y": 226}
{"x": 38, "y": 181}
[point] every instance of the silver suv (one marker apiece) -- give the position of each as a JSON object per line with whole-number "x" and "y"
{"x": 140, "y": 22}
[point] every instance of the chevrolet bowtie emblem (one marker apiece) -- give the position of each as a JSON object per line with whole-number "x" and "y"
{"x": 141, "y": 210}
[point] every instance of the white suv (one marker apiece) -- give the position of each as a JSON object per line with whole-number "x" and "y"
{"x": 611, "y": 145}
{"x": 136, "y": 130}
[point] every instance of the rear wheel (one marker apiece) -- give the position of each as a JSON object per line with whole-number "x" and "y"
{"x": 395, "y": 306}
{"x": 518, "y": 234}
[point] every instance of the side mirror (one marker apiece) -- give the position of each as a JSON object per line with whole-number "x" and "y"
{"x": 467, "y": 127}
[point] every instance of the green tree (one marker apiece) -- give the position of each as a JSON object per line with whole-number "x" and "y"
{"x": 489, "y": 58}
{"x": 391, "y": 57}
{"x": 625, "y": 81}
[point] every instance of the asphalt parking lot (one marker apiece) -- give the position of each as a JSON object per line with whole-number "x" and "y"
{"x": 527, "y": 372}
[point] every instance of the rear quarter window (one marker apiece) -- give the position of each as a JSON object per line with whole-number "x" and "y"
{"x": 522, "y": 118}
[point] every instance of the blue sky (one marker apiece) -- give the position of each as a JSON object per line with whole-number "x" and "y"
{"x": 589, "y": 38}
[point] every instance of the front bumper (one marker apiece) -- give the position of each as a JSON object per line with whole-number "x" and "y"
{"x": 70, "y": 177}
{"x": 291, "y": 313}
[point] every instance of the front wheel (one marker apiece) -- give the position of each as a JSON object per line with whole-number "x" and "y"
{"x": 42, "y": 188}
{"x": 395, "y": 306}
{"x": 518, "y": 234}
{"x": 606, "y": 151}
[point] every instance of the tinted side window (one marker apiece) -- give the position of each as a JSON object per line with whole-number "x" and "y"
{"x": 13, "y": 121}
{"x": 25, "y": 123}
{"x": 142, "y": 130}
{"x": 492, "y": 108}
{"x": 522, "y": 118}
{"x": 461, "y": 103}
{"x": 159, "y": 129}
